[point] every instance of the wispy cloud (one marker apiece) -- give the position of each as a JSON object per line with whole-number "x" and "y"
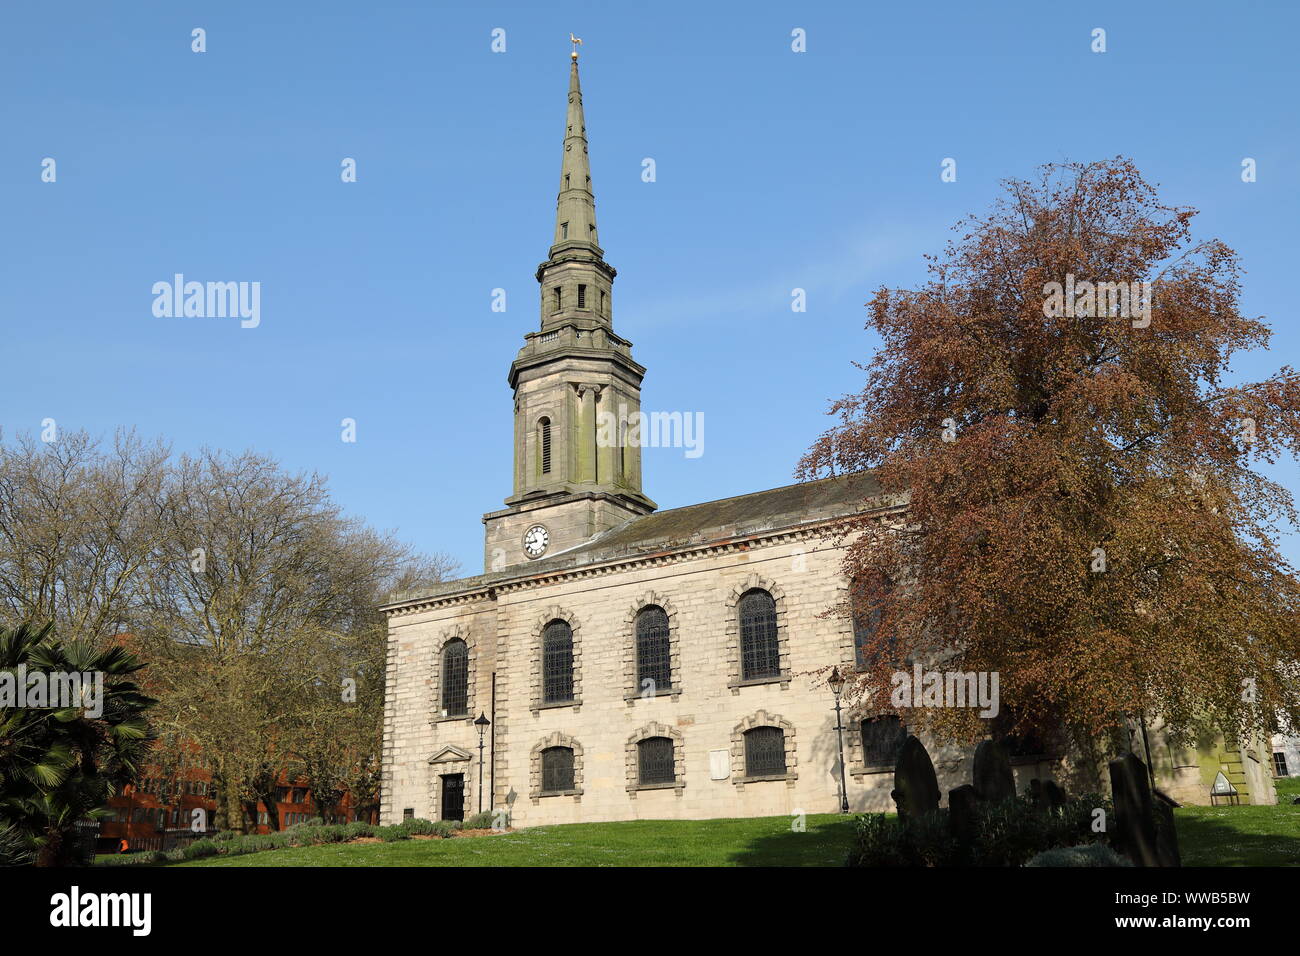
{"x": 854, "y": 265}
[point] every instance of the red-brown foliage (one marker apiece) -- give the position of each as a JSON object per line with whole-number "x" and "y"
{"x": 1074, "y": 434}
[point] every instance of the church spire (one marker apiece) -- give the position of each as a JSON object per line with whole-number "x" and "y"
{"x": 575, "y": 208}
{"x": 577, "y": 388}
{"x": 577, "y": 282}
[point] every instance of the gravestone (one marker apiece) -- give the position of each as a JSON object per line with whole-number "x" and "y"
{"x": 963, "y": 807}
{"x": 1166, "y": 835}
{"x": 1053, "y": 796}
{"x": 992, "y": 775}
{"x": 916, "y": 788}
{"x": 1135, "y": 829}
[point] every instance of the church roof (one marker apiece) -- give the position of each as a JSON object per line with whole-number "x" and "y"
{"x": 725, "y": 518}
{"x": 710, "y": 522}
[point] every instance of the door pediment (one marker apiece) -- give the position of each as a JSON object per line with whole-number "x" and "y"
{"x": 450, "y": 754}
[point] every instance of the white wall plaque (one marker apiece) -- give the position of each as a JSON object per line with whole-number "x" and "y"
{"x": 719, "y": 764}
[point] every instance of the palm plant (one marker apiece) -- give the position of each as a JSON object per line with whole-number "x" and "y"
{"x": 59, "y": 766}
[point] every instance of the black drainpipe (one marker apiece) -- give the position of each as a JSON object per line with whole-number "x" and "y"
{"x": 492, "y": 746}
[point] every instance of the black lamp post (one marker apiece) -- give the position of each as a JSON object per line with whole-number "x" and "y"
{"x": 836, "y": 680}
{"x": 482, "y": 724}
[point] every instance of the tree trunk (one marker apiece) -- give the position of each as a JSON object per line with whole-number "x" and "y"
{"x": 234, "y": 808}
{"x": 220, "y": 819}
{"x": 264, "y": 787}
{"x": 52, "y": 852}
{"x": 326, "y": 803}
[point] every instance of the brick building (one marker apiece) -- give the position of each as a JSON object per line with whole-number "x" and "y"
{"x": 159, "y": 810}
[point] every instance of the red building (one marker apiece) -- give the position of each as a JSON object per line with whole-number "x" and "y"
{"x": 158, "y": 811}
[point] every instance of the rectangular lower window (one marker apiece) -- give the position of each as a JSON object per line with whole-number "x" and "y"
{"x": 764, "y": 752}
{"x": 655, "y": 761}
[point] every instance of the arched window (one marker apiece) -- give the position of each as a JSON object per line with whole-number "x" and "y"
{"x": 557, "y": 769}
{"x": 655, "y": 762}
{"x": 867, "y": 615}
{"x": 557, "y": 663}
{"x": 652, "y": 654}
{"x": 882, "y": 740}
{"x": 760, "y": 652}
{"x": 455, "y": 678}
{"x": 764, "y": 752}
{"x": 544, "y": 445}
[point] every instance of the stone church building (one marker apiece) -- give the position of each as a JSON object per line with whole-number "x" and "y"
{"x": 633, "y": 663}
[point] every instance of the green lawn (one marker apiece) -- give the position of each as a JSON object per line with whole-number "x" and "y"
{"x": 762, "y": 841}
{"x": 1207, "y": 836}
{"x": 1288, "y": 788}
{"x": 1243, "y": 836}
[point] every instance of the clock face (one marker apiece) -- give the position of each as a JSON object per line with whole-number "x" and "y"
{"x": 536, "y": 539}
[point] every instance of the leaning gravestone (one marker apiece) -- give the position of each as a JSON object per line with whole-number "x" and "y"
{"x": 916, "y": 788}
{"x": 1135, "y": 829}
{"x": 992, "y": 775}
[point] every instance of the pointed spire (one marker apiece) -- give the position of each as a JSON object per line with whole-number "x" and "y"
{"x": 575, "y": 209}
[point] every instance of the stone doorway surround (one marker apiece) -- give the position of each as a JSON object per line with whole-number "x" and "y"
{"x": 447, "y": 760}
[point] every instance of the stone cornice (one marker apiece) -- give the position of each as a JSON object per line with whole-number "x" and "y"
{"x": 487, "y": 587}
{"x": 531, "y": 356}
{"x": 575, "y": 251}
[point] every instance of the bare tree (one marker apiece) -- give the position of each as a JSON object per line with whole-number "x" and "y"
{"x": 78, "y": 528}
{"x": 262, "y": 597}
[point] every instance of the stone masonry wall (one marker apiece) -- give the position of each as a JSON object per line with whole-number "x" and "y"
{"x": 705, "y": 714}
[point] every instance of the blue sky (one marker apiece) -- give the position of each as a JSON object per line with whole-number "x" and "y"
{"x": 775, "y": 170}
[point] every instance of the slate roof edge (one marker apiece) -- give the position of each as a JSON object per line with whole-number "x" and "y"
{"x": 484, "y": 586}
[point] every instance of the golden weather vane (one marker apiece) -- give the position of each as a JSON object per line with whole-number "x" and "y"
{"x": 577, "y": 42}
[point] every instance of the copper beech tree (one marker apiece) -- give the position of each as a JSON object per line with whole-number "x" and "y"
{"x": 1085, "y": 515}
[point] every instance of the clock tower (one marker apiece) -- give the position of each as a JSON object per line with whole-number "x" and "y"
{"x": 577, "y": 389}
